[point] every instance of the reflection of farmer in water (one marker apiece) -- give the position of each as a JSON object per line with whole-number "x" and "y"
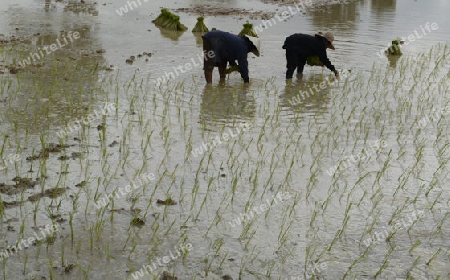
{"x": 226, "y": 103}
{"x": 227, "y": 48}
{"x": 301, "y": 46}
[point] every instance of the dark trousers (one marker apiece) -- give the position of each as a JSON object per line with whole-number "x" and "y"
{"x": 294, "y": 60}
{"x": 210, "y": 62}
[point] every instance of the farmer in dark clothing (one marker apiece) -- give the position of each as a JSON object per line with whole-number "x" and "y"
{"x": 221, "y": 47}
{"x": 300, "y": 46}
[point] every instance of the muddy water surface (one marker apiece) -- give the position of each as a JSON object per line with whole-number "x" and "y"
{"x": 347, "y": 182}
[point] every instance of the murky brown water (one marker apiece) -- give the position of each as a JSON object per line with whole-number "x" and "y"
{"x": 275, "y": 145}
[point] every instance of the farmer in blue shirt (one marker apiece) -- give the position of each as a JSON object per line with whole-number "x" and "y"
{"x": 300, "y": 46}
{"x": 221, "y": 47}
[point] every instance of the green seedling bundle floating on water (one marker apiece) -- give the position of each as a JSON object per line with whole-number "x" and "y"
{"x": 200, "y": 25}
{"x": 248, "y": 30}
{"x": 394, "y": 49}
{"x": 169, "y": 21}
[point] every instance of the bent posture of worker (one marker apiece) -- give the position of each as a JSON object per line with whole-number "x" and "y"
{"x": 221, "y": 47}
{"x": 300, "y": 46}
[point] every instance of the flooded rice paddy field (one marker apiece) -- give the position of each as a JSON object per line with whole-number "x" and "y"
{"x": 107, "y": 173}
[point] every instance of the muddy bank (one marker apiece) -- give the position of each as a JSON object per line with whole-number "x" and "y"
{"x": 210, "y": 10}
{"x": 216, "y": 186}
{"x": 307, "y": 4}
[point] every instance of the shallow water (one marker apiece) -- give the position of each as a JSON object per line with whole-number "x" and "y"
{"x": 275, "y": 146}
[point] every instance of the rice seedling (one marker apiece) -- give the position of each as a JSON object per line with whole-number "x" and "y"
{"x": 314, "y": 61}
{"x": 169, "y": 21}
{"x": 287, "y": 149}
{"x": 200, "y": 25}
{"x": 248, "y": 30}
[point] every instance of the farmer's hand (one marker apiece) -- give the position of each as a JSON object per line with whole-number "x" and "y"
{"x": 336, "y": 73}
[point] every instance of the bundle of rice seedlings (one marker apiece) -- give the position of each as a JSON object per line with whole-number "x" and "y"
{"x": 163, "y": 16}
{"x": 200, "y": 26}
{"x": 232, "y": 69}
{"x": 169, "y": 21}
{"x": 248, "y": 30}
{"x": 394, "y": 49}
{"x": 314, "y": 61}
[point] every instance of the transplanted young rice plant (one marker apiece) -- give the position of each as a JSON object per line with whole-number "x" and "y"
{"x": 394, "y": 48}
{"x": 284, "y": 149}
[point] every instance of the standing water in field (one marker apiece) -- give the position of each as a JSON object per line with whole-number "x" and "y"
{"x": 111, "y": 135}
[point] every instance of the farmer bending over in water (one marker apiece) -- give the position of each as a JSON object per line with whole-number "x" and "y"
{"x": 225, "y": 48}
{"x": 300, "y": 46}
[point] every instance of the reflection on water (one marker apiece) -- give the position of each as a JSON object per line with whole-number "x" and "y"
{"x": 198, "y": 38}
{"x": 226, "y": 104}
{"x": 347, "y": 15}
{"x": 171, "y": 34}
{"x": 380, "y": 6}
{"x": 306, "y": 96}
{"x": 393, "y": 59}
{"x": 67, "y": 84}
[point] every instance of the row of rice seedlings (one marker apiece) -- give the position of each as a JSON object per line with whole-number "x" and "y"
{"x": 236, "y": 158}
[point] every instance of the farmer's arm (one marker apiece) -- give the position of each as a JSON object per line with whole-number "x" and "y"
{"x": 324, "y": 58}
{"x": 243, "y": 67}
